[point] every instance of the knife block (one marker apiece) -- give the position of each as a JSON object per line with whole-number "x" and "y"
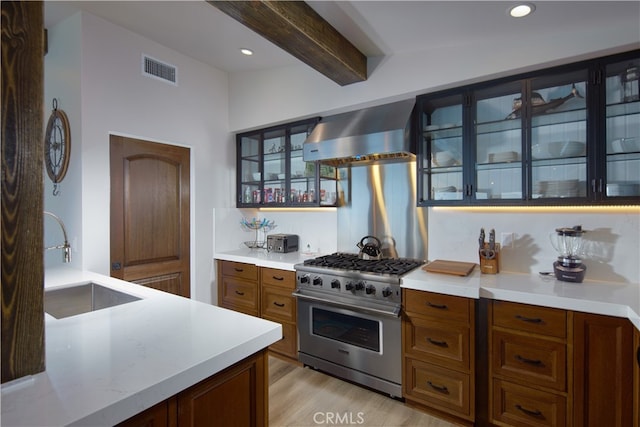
{"x": 490, "y": 266}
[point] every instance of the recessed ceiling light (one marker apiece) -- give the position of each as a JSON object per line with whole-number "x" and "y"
{"x": 246, "y": 51}
{"x": 521, "y": 10}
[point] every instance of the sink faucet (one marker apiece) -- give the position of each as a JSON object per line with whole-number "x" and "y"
{"x": 66, "y": 247}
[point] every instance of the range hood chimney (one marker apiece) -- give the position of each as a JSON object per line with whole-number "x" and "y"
{"x": 373, "y": 135}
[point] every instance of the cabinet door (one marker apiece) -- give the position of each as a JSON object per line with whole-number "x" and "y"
{"x": 558, "y": 121}
{"x": 498, "y": 156}
{"x": 603, "y": 364}
{"x": 249, "y": 168}
{"x": 622, "y": 131}
{"x": 235, "y": 397}
{"x": 441, "y": 157}
{"x": 274, "y": 147}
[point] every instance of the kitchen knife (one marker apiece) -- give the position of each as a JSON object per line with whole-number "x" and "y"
{"x": 481, "y": 239}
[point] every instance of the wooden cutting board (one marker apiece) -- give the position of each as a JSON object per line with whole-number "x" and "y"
{"x": 456, "y": 268}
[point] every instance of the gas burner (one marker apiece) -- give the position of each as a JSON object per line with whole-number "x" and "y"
{"x": 347, "y": 261}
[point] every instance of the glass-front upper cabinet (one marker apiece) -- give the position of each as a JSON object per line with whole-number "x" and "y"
{"x": 622, "y": 122}
{"x": 271, "y": 171}
{"x": 561, "y": 136}
{"x": 558, "y": 136}
{"x": 498, "y": 149}
{"x": 440, "y": 158}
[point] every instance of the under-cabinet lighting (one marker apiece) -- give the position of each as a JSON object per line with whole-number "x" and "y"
{"x": 327, "y": 209}
{"x": 246, "y": 51}
{"x": 521, "y": 10}
{"x": 543, "y": 209}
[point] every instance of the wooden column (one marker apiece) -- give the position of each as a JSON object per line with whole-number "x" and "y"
{"x": 22, "y": 189}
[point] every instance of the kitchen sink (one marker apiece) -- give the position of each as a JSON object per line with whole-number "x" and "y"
{"x": 83, "y": 298}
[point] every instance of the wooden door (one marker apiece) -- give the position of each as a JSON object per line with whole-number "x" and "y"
{"x": 150, "y": 214}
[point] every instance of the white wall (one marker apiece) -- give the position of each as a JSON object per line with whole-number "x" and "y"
{"x": 316, "y": 230}
{"x": 611, "y": 241}
{"x": 62, "y": 81}
{"x": 116, "y": 98}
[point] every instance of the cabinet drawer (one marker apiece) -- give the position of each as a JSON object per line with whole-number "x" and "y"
{"x": 278, "y": 304}
{"x": 517, "y": 405}
{"x": 240, "y": 270}
{"x": 442, "y": 343}
{"x": 438, "y": 387}
{"x": 530, "y": 318}
{"x": 288, "y": 345}
{"x": 240, "y": 294}
{"x": 439, "y": 306}
{"x": 282, "y": 278}
{"x": 530, "y": 360}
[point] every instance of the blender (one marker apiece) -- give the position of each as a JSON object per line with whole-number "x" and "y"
{"x": 569, "y": 244}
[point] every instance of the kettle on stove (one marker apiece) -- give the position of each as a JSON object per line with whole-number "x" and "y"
{"x": 370, "y": 250}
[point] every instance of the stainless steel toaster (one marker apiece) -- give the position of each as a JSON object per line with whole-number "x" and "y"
{"x": 282, "y": 243}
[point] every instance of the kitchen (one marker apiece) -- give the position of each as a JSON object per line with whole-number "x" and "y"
{"x": 84, "y": 48}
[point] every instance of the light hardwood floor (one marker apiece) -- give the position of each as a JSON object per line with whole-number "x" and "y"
{"x": 301, "y": 397}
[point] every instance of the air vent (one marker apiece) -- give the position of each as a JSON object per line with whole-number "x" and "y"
{"x": 159, "y": 70}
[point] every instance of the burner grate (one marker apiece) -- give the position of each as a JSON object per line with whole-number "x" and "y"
{"x": 346, "y": 261}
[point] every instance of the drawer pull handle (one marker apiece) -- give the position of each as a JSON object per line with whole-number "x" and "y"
{"x": 438, "y": 343}
{"x": 278, "y": 304}
{"x": 277, "y": 278}
{"x": 529, "y": 319}
{"x": 240, "y": 293}
{"x": 536, "y": 362}
{"x": 239, "y": 270}
{"x": 440, "y": 388}
{"x": 438, "y": 306}
{"x": 536, "y": 413}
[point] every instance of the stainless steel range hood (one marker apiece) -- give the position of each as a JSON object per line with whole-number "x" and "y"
{"x": 372, "y": 135}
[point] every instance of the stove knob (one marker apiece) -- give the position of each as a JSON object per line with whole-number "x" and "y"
{"x": 359, "y": 286}
{"x": 386, "y": 292}
{"x": 317, "y": 281}
{"x": 370, "y": 289}
{"x": 304, "y": 279}
{"x": 349, "y": 286}
{"x": 335, "y": 284}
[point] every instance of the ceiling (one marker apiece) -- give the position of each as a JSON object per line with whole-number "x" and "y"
{"x": 376, "y": 28}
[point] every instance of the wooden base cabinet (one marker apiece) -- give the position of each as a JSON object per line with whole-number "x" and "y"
{"x": 603, "y": 364}
{"x": 237, "y": 396}
{"x": 528, "y": 365}
{"x": 262, "y": 292}
{"x": 279, "y": 305}
{"x": 439, "y": 354}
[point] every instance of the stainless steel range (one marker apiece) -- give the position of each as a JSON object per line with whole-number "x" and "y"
{"x": 349, "y": 318}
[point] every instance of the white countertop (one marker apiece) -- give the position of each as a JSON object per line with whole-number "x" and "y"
{"x": 105, "y": 366}
{"x": 612, "y": 299}
{"x": 263, "y": 258}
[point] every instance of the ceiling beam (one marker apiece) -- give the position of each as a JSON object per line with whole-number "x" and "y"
{"x": 298, "y": 29}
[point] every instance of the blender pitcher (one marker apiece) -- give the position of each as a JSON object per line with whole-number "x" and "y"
{"x": 569, "y": 245}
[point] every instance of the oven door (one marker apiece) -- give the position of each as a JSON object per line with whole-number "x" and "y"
{"x": 362, "y": 344}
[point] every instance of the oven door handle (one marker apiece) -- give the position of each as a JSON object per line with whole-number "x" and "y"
{"x": 395, "y": 312}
